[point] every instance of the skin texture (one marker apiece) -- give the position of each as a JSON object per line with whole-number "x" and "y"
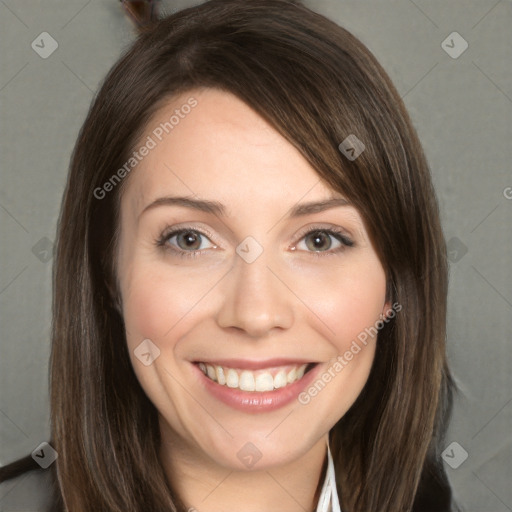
{"x": 293, "y": 301}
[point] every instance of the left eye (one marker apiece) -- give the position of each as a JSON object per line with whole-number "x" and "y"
{"x": 321, "y": 240}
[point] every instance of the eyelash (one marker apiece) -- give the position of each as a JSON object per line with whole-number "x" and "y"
{"x": 336, "y": 233}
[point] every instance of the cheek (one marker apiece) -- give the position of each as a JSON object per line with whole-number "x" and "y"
{"x": 156, "y": 301}
{"x": 349, "y": 302}
{"x": 346, "y": 300}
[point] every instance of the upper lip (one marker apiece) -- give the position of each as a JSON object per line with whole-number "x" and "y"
{"x": 248, "y": 364}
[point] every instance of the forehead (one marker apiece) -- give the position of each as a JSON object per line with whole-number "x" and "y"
{"x": 220, "y": 148}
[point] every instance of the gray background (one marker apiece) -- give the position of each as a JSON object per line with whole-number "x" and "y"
{"x": 461, "y": 107}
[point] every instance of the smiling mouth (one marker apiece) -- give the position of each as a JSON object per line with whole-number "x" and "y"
{"x": 268, "y": 379}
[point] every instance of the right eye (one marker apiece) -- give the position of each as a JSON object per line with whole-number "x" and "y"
{"x": 185, "y": 242}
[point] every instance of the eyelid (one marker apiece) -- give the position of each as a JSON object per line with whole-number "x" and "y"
{"x": 173, "y": 230}
{"x": 333, "y": 230}
{"x": 346, "y": 237}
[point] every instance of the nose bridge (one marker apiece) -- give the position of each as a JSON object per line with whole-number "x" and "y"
{"x": 256, "y": 300}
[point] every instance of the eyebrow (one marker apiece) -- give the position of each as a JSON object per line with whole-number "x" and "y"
{"x": 217, "y": 208}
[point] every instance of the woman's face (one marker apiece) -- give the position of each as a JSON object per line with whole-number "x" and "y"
{"x": 227, "y": 281}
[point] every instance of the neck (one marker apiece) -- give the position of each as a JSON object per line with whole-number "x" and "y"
{"x": 204, "y": 486}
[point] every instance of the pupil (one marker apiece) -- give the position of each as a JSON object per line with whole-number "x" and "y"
{"x": 318, "y": 239}
{"x": 190, "y": 238}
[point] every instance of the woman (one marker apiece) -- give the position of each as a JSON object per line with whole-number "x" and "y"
{"x": 250, "y": 280}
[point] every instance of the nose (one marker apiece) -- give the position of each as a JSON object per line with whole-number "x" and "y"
{"x": 257, "y": 299}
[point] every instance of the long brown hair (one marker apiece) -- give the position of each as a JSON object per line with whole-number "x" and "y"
{"x": 316, "y": 84}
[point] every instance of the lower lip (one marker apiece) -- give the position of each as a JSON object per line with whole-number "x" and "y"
{"x": 254, "y": 401}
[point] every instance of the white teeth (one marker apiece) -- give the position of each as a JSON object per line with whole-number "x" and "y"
{"x": 232, "y": 379}
{"x": 211, "y": 372}
{"x": 264, "y": 382}
{"x": 247, "y": 380}
{"x": 280, "y": 380}
{"x": 292, "y": 375}
{"x": 221, "y": 378}
{"x": 300, "y": 371}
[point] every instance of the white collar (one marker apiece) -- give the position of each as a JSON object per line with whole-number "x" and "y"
{"x": 329, "y": 501}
